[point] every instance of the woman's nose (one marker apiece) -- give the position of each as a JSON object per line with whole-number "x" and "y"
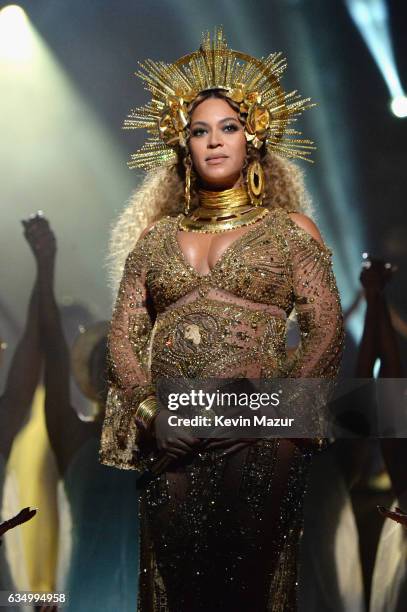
{"x": 215, "y": 139}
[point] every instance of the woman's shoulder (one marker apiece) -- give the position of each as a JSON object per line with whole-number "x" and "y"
{"x": 307, "y": 224}
{"x": 300, "y": 228}
{"x": 149, "y": 239}
{"x": 158, "y": 225}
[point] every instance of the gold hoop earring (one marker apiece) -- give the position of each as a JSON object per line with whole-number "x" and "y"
{"x": 256, "y": 183}
{"x": 187, "y": 187}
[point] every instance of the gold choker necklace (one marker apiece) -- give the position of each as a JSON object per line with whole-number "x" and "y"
{"x": 219, "y": 211}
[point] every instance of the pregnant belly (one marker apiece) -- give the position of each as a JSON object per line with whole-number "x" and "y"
{"x": 206, "y": 338}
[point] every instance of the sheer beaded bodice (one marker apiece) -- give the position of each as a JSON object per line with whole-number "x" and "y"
{"x": 254, "y": 266}
{"x": 231, "y": 321}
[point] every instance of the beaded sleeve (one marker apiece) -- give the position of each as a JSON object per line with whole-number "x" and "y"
{"x": 317, "y": 305}
{"x": 128, "y": 371}
{"x": 320, "y": 320}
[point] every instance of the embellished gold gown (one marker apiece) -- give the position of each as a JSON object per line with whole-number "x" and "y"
{"x": 220, "y": 533}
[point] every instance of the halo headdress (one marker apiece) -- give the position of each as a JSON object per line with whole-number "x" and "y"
{"x": 253, "y": 84}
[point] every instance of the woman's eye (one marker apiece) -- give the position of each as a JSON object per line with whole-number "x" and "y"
{"x": 231, "y": 127}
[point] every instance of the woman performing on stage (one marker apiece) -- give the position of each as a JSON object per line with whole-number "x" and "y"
{"x": 225, "y": 256}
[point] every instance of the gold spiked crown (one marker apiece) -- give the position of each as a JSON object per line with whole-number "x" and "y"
{"x": 254, "y": 84}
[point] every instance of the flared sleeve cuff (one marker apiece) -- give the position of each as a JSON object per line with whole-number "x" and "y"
{"x": 122, "y": 444}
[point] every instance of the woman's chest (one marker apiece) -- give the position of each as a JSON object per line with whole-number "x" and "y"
{"x": 252, "y": 264}
{"x": 202, "y": 251}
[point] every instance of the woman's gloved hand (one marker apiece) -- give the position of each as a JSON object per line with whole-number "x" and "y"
{"x": 174, "y": 441}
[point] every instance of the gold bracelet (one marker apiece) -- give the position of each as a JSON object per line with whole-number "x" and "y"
{"x": 146, "y": 411}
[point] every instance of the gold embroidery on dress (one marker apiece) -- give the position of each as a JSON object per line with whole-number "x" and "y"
{"x": 228, "y": 323}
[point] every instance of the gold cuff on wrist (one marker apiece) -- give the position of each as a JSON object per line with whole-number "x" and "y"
{"x": 146, "y": 411}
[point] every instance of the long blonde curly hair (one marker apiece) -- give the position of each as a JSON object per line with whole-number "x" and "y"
{"x": 161, "y": 193}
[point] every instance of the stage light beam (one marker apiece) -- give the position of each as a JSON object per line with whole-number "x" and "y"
{"x": 16, "y": 40}
{"x": 57, "y": 155}
{"x": 372, "y": 20}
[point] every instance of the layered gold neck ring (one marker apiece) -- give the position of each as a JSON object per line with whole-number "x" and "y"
{"x": 228, "y": 198}
{"x": 220, "y": 211}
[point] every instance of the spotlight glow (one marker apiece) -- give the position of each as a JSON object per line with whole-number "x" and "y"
{"x": 376, "y": 368}
{"x": 16, "y": 41}
{"x": 371, "y": 19}
{"x": 399, "y": 106}
{"x": 66, "y": 156}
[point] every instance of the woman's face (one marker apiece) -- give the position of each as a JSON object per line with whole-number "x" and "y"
{"x": 217, "y": 144}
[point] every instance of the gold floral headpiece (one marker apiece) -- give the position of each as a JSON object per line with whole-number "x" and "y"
{"x": 254, "y": 84}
